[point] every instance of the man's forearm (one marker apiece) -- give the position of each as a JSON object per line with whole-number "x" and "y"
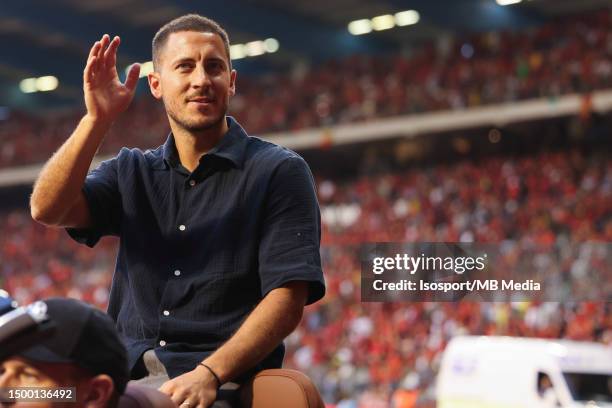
{"x": 62, "y": 177}
{"x": 274, "y": 318}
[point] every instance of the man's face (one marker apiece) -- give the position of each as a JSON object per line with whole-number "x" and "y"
{"x": 19, "y": 372}
{"x": 194, "y": 79}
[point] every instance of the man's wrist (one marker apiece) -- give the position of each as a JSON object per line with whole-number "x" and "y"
{"x": 211, "y": 372}
{"x": 97, "y": 123}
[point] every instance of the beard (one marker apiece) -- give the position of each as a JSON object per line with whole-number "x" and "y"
{"x": 194, "y": 124}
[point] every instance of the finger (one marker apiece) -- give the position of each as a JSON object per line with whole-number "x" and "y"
{"x": 103, "y": 44}
{"x": 187, "y": 404}
{"x": 110, "y": 55}
{"x": 94, "y": 50}
{"x": 92, "y": 62}
{"x": 179, "y": 398}
{"x": 132, "y": 77}
{"x": 89, "y": 73}
{"x": 166, "y": 388}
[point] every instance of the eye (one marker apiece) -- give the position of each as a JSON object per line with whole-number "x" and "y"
{"x": 215, "y": 66}
{"x": 183, "y": 66}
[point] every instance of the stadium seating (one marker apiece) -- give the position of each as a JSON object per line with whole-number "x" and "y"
{"x": 567, "y": 56}
{"x": 340, "y": 337}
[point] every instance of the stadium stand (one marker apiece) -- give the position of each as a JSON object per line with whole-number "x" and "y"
{"x": 571, "y": 55}
{"x": 544, "y": 199}
{"x": 551, "y": 186}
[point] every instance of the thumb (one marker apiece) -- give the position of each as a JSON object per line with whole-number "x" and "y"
{"x": 132, "y": 77}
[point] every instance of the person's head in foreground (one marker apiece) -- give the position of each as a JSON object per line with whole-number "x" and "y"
{"x": 193, "y": 73}
{"x": 84, "y": 352}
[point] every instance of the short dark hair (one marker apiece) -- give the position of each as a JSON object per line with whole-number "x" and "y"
{"x": 188, "y": 22}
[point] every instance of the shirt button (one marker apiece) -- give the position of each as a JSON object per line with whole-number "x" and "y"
{"x": 177, "y": 273}
{"x": 182, "y": 227}
{"x": 192, "y": 183}
{"x": 166, "y": 313}
{"x": 162, "y": 343}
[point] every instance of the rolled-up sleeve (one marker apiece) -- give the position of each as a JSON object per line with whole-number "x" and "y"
{"x": 103, "y": 198}
{"x": 291, "y": 231}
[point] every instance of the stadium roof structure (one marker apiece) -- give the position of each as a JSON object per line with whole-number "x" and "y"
{"x": 52, "y": 37}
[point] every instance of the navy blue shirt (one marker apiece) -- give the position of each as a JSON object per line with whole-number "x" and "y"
{"x": 198, "y": 251}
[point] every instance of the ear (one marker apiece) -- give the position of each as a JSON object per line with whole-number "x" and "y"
{"x": 232, "y": 88}
{"x": 98, "y": 391}
{"x": 155, "y": 84}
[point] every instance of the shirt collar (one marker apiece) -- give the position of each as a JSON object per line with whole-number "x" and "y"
{"x": 232, "y": 146}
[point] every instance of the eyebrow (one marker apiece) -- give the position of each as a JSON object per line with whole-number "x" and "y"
{"x": 191, "y": 59}
{"x": 182, "y": 59}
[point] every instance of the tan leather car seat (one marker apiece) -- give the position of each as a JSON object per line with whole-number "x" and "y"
{"x": 280, "y": 388}
{"x": 277, "y": 388}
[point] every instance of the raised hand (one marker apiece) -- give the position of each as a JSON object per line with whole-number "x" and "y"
{"x": 105, "y": 96}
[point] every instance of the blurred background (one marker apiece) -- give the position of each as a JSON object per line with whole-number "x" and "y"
{"x": 465, "y": 120}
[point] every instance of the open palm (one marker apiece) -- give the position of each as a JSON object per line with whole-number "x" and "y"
{"x": 105, "y": 96}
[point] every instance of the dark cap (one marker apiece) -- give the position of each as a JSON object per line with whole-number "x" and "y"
{"x": 84, "y": 336}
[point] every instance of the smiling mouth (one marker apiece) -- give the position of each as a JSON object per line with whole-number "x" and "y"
{"x": 204, "y": 101}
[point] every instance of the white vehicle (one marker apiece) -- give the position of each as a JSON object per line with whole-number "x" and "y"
{"x": 511, "y": 372}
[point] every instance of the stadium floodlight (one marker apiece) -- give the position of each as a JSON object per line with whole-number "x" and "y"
{"x": 271, "y": 45}
{"x": 255, "y": 48}
{"x": 384, "y": 22}
{"x": 145, "y": 69}
{"x": 28, "y": 85}
{"x": 47, "y": 83}
{"x": 359, "y": 27}
{"x": 507, "y": 2}
{"x": 406, "y": 18}
{"x": 237, "y": 51}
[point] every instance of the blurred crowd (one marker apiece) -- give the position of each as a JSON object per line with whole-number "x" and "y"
{"x": 564, "y": 56}
{"x": 367, "y": 354}
{"x": 386, "y": 354}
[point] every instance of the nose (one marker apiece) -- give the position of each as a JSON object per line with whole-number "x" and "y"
{"x": 200, "y": 78}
